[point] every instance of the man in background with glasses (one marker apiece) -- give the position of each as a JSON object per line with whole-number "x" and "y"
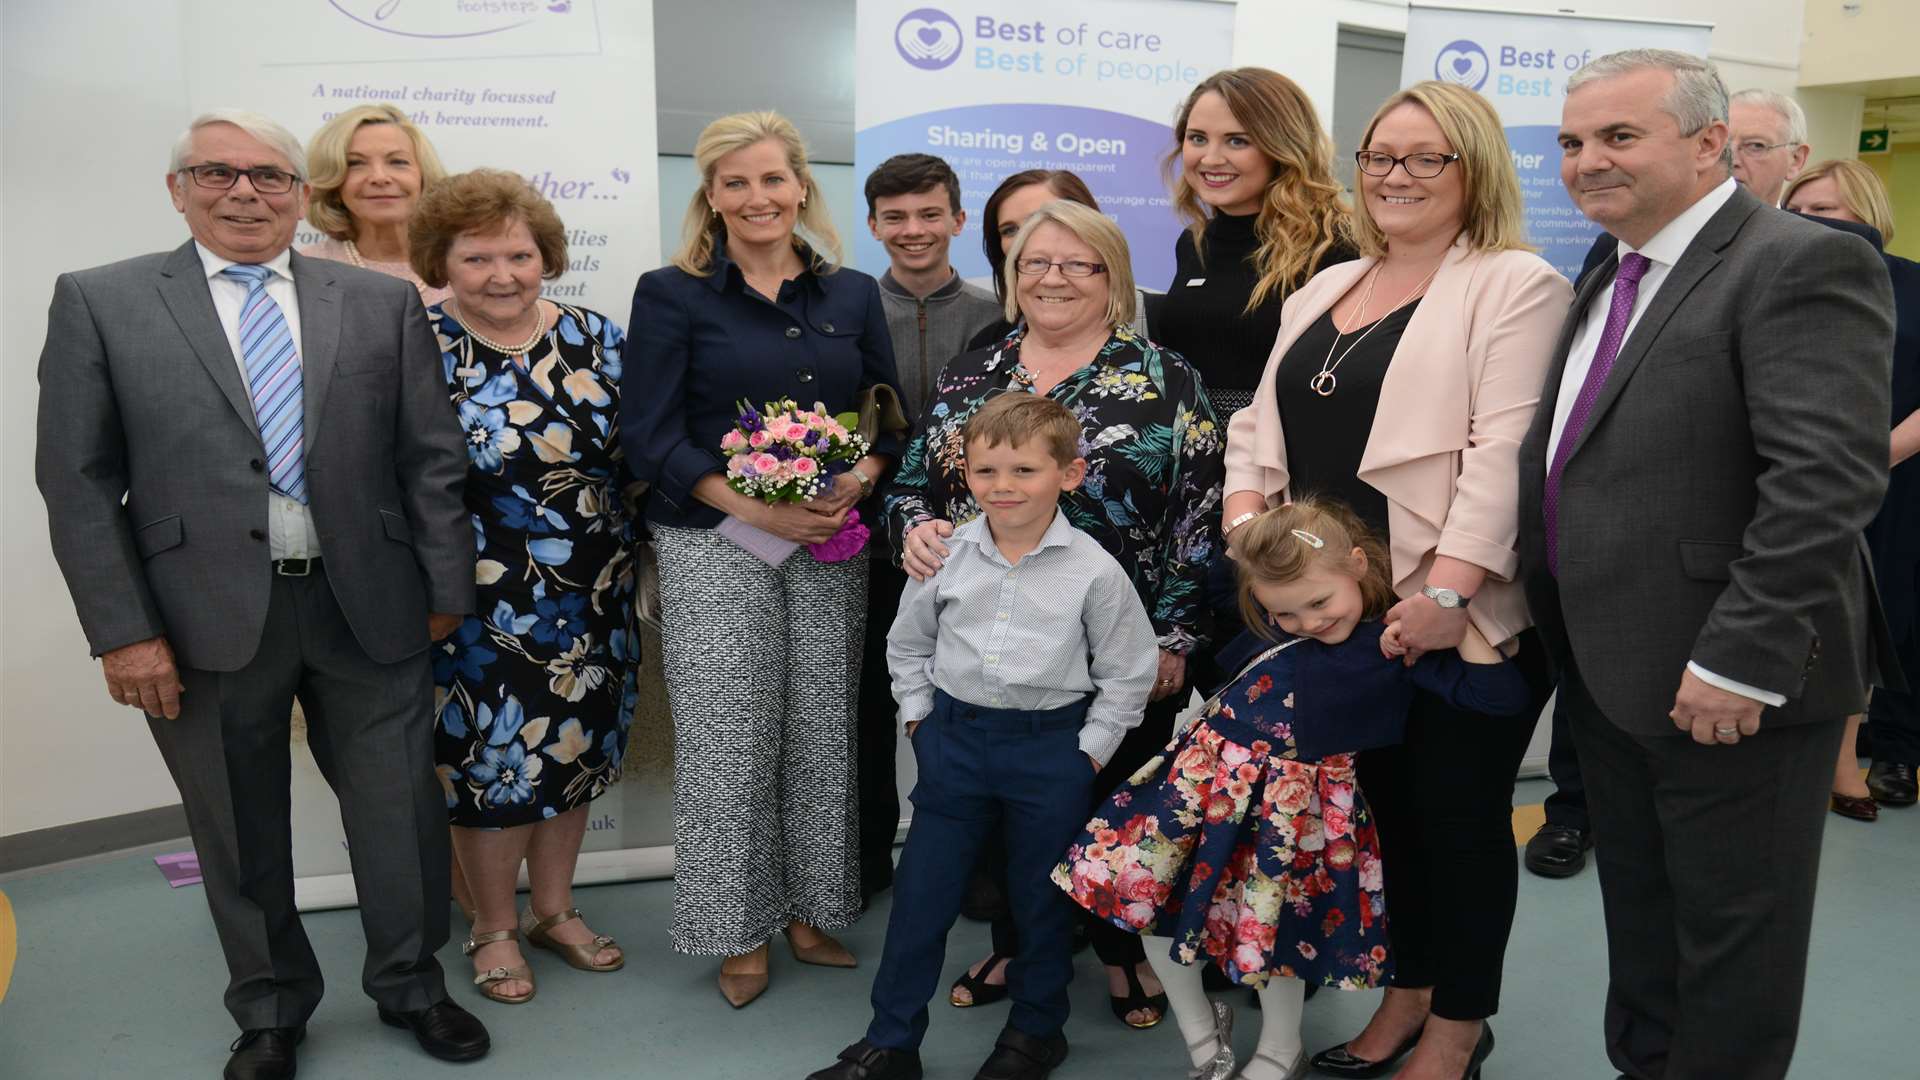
{"x": 253, "y": 488}
{"x": 1769, "y": 135}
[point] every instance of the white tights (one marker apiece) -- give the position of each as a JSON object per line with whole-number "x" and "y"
{"x": 1281, "y": 1001}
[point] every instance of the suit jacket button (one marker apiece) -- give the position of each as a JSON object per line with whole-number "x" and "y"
{"x": 257, "y": 465}
{"x": 804, "y": 374}
{"x": 256, "y": 534}
{"x": 793, "y": 331}
{"x": 826, "y": 328}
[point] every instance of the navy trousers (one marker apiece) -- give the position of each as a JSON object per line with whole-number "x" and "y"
{"x": 1021, "y": 773}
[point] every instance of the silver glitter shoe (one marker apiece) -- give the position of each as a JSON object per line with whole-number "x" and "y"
{"x": 1220, "y": 1065}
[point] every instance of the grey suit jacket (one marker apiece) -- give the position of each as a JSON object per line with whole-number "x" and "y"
{"x": 151, "y": 464}
{"x": 1713, "y": 508}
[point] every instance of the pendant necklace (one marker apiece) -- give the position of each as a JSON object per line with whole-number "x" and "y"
{"x": 1323, "y": 382}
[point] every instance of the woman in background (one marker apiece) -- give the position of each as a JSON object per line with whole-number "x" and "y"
{"x": 1850, "y": 191}
{"x": 370, "y": 165}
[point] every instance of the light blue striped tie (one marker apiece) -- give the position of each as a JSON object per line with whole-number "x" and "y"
{"x": 273, "y": 381}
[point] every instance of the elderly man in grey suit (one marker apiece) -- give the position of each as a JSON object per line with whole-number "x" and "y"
{"x": 253, "y": 478}
{"x": 1710, "y": 444}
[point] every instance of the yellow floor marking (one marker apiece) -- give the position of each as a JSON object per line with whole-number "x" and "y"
{"x": 6, "y": 945}
{"x": 1527, "y": 821}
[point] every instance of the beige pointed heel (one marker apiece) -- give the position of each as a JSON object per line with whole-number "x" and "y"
{"x": 740, "y": 988}
{"x": 489, "y": 980}
{"x": 579, "y": 957}
{"x": 827, "y": 952}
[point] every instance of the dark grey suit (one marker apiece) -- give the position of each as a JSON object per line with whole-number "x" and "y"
{"x": 1712, "y": 510}
{"x": 150, "y": 464}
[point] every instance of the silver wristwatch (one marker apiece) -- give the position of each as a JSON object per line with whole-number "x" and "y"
{"x": 1446, "y": 598}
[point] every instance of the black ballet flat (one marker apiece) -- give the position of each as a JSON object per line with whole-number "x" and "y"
{"x": 1137, "y": 998}
{"x": 1337, "y": 1061}
{"x": 983, "y": 992}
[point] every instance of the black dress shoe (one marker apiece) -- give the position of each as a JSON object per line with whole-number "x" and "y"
{"x": 1019, "y": 1056}
{"x": 445, "y": 1030}
{"x": 1558, "y": 851}
{"x": 1858, "y": 809}
{"x": 1891, "y": 783}
{"x": 264, "y": 1054}
{"x": 1338, "y": 1061}
{"x": 865, "y": 1061}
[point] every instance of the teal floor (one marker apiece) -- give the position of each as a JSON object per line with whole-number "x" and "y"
{"x": 119, "y": 976}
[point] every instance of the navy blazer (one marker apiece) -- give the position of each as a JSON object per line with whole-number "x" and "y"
{"x": 698, "y": 346}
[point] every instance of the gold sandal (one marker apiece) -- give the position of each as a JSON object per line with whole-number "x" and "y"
{"x": 579, "y": 957}
{"x": 491, "y": 978}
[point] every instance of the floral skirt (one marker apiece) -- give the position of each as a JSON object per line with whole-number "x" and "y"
{"x": 1263, "y": 865}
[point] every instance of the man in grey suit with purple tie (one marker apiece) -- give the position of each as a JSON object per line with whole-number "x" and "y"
{"x": 253, "y": 485}
{"x": 1710, "y": 444}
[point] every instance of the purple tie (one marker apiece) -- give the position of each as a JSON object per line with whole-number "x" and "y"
{"x": 1626, "y": 288}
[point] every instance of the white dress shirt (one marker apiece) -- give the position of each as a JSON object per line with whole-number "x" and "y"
{"x": 1662, "y": 252}
{"x": 1044, "y": 633}
{"x": 290, "y": 530}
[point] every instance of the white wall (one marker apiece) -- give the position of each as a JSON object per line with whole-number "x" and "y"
{"x": 92, "y": 95}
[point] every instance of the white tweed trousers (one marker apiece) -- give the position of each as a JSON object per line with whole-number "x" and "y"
{"x": 763, "y": 675}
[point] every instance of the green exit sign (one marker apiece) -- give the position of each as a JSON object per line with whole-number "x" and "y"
{"x": 1874, "y": 141}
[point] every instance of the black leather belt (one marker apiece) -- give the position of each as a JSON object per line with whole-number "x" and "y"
{"x": 295, "y": 567}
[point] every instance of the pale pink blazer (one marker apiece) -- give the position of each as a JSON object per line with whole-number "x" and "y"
{"x": 1456, "y": 402}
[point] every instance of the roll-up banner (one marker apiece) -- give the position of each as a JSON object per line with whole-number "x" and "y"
{"x": 559, "y": 91}
{"x": 997, "y": 87}
{"x": 1520, "y": 61}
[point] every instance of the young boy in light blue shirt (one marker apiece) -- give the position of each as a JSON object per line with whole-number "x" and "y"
{"x": 1018, "y": 668}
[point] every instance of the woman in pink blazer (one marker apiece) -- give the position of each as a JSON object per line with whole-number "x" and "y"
{"x": 1403, "y": 383}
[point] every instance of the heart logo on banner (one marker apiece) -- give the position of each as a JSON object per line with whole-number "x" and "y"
{"x": 1463, "y": 63}
{"x": 928, "y": 38}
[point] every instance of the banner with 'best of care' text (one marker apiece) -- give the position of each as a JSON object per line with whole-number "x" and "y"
{"x": 559, "y": 91}
{"x": 1520, "y": 61}
{"x": 997, "y": 87}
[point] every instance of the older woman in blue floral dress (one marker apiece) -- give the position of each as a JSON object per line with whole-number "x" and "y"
{"x": 536, "y": 691}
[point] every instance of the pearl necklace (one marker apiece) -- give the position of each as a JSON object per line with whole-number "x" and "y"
{"x": 539, "y": 331}
{"x": 353, "y": 255}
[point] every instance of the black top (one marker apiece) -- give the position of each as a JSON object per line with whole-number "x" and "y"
{"x": 697, "y": 346}
{"x": 1326, "y": 435}
{"x": 1207, "y": 322}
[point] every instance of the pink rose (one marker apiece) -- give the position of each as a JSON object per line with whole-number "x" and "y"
{"x": 1135, "y": 883}
{"x": 795, "y": 433}
{"x": 804, "y": 467}
{"x": 759, "y": 440}
{"x": 765, "y": 463}
{"x": 733, "y": 441}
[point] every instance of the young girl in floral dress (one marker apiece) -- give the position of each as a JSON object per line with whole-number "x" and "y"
{"x": 1247, "y": 842}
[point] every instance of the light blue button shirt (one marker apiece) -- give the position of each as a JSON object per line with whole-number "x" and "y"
{"x": 1063, "y": 623}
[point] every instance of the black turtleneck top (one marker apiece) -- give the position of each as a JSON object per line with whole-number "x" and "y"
{"x": 1204, "y": 318}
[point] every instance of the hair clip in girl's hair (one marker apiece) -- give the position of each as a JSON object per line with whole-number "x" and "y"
{"x": 1309, "y": 539}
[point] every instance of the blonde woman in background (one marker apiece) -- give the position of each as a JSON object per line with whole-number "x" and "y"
{"x": 370, "y": 165}
{"x": 762, "y": 660}
{"x": 1851, "y": 191}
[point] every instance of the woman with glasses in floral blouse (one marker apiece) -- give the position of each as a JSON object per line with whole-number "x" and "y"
{"x": 1151, "y": 496}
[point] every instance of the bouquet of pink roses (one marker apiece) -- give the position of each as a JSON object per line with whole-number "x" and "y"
{"x": 783, "y": 453}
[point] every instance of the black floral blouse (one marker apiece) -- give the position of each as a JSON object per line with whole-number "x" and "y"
{"x": 1154, "y": 466}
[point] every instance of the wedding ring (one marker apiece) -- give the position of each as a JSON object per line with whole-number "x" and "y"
{"x": 1725, "y": 732}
